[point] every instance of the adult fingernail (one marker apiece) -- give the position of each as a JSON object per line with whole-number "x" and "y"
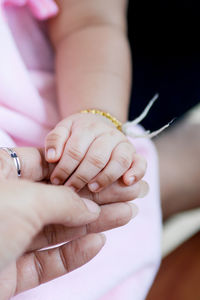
{"x": 56, "y": 181}
{"x": 93, "y": 186}
{"x": 103, "y": 237}
{"x": 51, "y": 154}
{"x": 92, "y": 206}
{"x": 134, "y": 210}
{"x": 144, "y": 190}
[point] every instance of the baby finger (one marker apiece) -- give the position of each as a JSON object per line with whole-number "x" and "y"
{"x": 56, "y": 140}
{"x": 120, "y": 162}
{"x": 95, "y": 160}
{"x": 136, "y": 171}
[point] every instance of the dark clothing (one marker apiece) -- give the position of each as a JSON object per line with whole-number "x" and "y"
{"x": 165, "y": 42}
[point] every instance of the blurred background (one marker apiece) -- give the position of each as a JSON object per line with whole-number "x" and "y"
{"x": 164, "y": 37}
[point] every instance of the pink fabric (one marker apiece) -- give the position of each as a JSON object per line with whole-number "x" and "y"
{"x": 126, "y": 267}
{"x": 27, "y": 91}
{"x": 41, "y": 9}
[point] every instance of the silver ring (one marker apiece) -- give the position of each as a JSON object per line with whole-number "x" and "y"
{"x": 14, "y": 156}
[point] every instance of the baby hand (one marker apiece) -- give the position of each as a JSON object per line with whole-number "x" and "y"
{"x": 90, "y": 150}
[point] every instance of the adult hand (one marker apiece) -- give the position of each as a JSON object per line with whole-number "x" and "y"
{"x": 35, "y": 168}
{"x": 27, "y": 208}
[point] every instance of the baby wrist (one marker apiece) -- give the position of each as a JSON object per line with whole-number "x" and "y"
{"x": 107, "y": 115}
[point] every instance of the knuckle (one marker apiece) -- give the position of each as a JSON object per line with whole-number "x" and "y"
{"x": 106, "y": 178}
{"x": 78, "y": 135}
{"x": 116, "y": 132}
{"x": 62, "y": 172}
{"x": 74, "y": 153}
{"x": 92, "y": 126}
{"x": 53, "y": 137}
{"x": 97, "y": 160}
{"x": 96, "y": 126}
{"x": 113, "y": 132}
{"x": 124, "y": 160}
{"x": 81, "y": 179}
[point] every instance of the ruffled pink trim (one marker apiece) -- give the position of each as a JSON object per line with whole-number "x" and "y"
{"x": 41, "y": 9}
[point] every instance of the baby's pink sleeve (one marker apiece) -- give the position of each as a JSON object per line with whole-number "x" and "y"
{"x": 41, "y": 9}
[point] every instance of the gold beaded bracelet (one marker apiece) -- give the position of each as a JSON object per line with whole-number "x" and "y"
{"x": 117, "y": 123}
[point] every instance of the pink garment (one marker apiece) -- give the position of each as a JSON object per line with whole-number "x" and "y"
{"x": 125, "y": 268}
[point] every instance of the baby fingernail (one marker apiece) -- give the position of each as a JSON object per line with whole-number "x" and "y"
{"x": 134, "y": 209}
{"x": 131, "y": 180}
{"x": 51, "y": 153}
{"x": 93, "y": 186}
{"x": 92, "y": 206}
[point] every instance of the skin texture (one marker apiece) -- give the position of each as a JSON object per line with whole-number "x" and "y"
{"x": 24, "y": 211}
{"x": 41, "y": 215}
{"x": 92, "y": 56}
{"x": 35, "y": 168}
{"x": 93, "y": 71}
{"x": 96, "y": 155}
{"x": 36, "y": 215}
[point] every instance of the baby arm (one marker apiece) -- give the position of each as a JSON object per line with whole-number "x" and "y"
{"x": 92, "y": 56}
{"x": 93, "y": 71}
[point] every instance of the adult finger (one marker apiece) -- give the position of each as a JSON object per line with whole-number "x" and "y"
{"x": 136, "y": 171}
{"x": 111, "y": 216}
{"x": 39, "y": 267}
{"x": 26, "y": 208}
{"x": 117, "y": 192}
{"x": 120, "y": 161}
{"x": 33, "y": 164}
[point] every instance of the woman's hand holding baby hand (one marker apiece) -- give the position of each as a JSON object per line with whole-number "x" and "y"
{"x": 90, "y": 150}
